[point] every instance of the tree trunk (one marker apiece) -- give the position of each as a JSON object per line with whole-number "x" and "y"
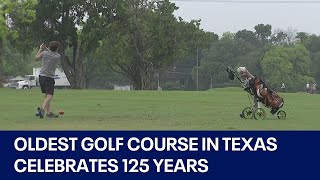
{"x": 146, "y": 76}
{"x": 74, "y": 69}
{"x": 143, "y": 78}
{"x": 137, "y": 85}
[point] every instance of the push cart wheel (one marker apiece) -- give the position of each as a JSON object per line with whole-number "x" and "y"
{"x": 247, "y": 113}
{"x": 281, "y": 114}
{"x": 259, "y": 114}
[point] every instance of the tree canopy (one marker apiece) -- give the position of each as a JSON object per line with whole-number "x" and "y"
{"x": 143, "y": 43}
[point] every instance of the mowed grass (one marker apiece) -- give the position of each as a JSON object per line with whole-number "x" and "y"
{"x": 152, "y": 110}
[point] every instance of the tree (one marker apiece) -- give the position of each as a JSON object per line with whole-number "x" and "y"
{"x": 263, "y": 33}
{"x": 57, "y": 20}
{"x": 315, "y": 61}
{"x": 12, "y": 13}
{"x": 312, "y": 43}
{"x": 246, "y": 36}
{"x": 16, "y": 63}
{"x": 3, "y": 31}
{"x": 145, "y": 37}
{"x": 279, "y": 37}
{"x": 302, "y": 36}
{"x": 264, "y": 55}
{"x": 20, "y": 16}
{"x": 3, "y": 25}
{"x": 217, "y": 58}
{"x": 290, "y": 65}
{"x": 62, "y": 21}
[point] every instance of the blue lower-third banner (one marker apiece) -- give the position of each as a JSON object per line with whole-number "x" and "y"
{"x": 159, "y": 155}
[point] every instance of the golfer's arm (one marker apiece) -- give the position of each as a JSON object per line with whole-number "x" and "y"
{"x": 38, "y": 55}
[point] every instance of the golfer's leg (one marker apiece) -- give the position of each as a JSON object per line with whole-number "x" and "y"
{"x": 49, "y": 104}
{"x": 43, "y": 104}
{"x": 45, "y": 96}
{"x": 49, "y": 94}
{"x": 43, "y": 90}
{"x": 46, "y": 103}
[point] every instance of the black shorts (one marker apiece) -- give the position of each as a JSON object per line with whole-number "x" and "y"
{"x": 46, "y": 84}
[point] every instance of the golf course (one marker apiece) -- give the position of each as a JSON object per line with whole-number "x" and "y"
{"x": 216, "y": 109}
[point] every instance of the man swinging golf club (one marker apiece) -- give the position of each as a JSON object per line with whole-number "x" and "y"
{"x": 50, "y": 58}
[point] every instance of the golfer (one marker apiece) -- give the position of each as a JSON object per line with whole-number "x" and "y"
{"x": 50, "y": 58}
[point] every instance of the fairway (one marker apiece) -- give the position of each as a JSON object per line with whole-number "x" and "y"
{"x": 152, "y": 110}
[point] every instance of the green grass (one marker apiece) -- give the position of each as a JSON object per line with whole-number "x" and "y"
{"x": 151, "y": 110}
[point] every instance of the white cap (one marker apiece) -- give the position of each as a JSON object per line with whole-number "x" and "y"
{"x": 242, "y": 69}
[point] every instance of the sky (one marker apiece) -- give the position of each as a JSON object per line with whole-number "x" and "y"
{"x": 220, "y": 17}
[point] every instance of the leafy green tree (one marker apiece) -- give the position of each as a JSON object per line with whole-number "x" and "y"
{"x": 263, "y": 53}
{"x": 246, "y": 36}
{"x": 14, "y": 13}
{"x": 290, "y": 65}
{"x": 239, "y": 49}
{"x": 3, "y": 31}
{"x": 58, "y": 20}
{"x": 312, "y": 43}
{"x": 64, "y": 21}
{"x": 16, "y": 63}
{"x": 21, "y": 15}
{"x": 3, "y": 25}
{"x": 302, "y": 36}
{"x": 263, "y": 33}
{"x": 217, "y": 58}
{"x": 99, "y": 75}
{"x": 315, "y": 61}
{"x": 145, "y": 37}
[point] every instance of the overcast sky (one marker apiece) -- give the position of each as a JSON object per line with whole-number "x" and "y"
{"x": 221, "y": 17}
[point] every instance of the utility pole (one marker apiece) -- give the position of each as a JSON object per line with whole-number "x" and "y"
{"x": 197, "y": 69}
{"x": 158, "y": 76}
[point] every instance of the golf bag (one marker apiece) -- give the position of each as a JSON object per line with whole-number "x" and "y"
{"x": 257, "y": 88}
